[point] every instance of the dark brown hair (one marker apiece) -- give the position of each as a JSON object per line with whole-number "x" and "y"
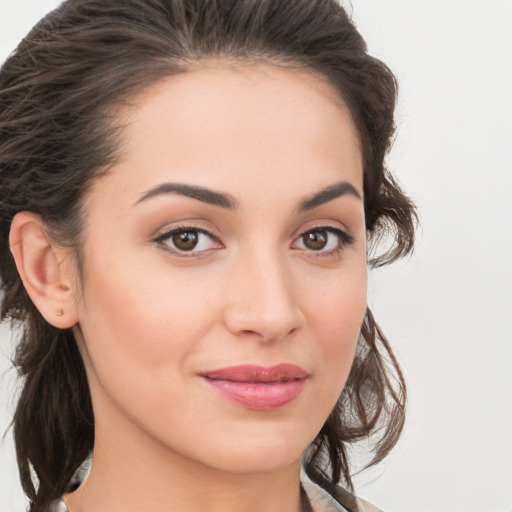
{"x": 58, "y": 93}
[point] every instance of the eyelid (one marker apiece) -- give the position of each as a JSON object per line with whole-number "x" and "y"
{"x": 345, "y": 239}
{"x": 160, "y": 238}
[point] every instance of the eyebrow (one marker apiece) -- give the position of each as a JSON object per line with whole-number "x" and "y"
{"x": 205, "y": 195}
{"x": 342, "y": 188}
{"x": 228, "y": 202}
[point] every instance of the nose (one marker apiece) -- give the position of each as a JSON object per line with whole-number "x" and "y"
{"x": 263, "y": 300}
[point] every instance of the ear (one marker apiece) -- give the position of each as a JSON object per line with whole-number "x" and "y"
{"x": 45, "y": 269}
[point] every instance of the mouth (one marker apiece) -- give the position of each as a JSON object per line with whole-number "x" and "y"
{"x": 258, "y": 387}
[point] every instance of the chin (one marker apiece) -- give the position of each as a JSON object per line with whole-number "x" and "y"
{"x": 251, "y": 462}
{"x": 264, "y": 453}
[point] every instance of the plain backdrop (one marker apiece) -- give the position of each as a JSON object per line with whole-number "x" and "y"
{"x": 447, "y": 310}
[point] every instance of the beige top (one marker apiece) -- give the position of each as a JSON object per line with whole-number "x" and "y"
{"x": 319, "y": 500}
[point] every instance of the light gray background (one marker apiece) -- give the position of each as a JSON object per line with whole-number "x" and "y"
{"x": 447, "y": 311}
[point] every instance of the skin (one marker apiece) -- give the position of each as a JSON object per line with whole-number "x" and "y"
{"x": 149, "y": 319}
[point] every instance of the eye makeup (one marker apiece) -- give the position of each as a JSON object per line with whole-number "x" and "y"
{"x": 191, "y": 241}
{"x": 323, "y": 241}
{"x": 188, "y": 241}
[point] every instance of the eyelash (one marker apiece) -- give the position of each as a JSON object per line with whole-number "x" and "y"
{"x": 161, "y": 240}
{"x": 344, "y": 239}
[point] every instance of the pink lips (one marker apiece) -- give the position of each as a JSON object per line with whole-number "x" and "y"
{"x": 257, "y": 387}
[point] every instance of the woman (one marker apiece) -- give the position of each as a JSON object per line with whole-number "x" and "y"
{"x": 190, "y": 194}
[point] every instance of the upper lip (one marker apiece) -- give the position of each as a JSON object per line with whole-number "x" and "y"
{"x": 253, "y": 373}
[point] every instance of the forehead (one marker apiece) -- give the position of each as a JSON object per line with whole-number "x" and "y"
{"x": 222, "y": 125}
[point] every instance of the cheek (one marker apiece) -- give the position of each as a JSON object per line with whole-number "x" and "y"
{"x": 141, "y": 335}
{"x": 336, "y": 315}
{"x": 143, "y": 307}
{"x": 144, "y": 323}
{"x": 337, "y": 303}
{"x": 140, "y": 330}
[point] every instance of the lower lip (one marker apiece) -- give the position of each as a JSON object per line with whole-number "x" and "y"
{"x": 261, "y": 396}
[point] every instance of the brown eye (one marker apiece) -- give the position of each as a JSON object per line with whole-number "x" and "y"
{"x": 315, "y": 240}
{"x": 324, "y": 240}
{"x": 188, "y": 241}
{"x": 185, "y": 240}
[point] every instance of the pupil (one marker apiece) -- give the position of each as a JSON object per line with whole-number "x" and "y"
{"x": 315, "y": 240}
{"x": 185, "y": 240}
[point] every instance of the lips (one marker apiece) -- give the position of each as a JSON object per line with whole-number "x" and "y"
{"x": 258, "y": 387}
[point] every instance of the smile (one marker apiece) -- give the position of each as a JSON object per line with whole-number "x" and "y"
{"x": 257, "y": 387}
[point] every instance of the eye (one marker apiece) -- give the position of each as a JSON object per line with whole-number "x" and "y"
{"x": 323, "y": 239}
{"x": 188, "y": 241}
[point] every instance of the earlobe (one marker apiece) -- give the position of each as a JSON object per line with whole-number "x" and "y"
{"x": 44, "y": 269}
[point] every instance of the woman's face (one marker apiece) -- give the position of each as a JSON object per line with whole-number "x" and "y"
{"x": 225, "y": 269}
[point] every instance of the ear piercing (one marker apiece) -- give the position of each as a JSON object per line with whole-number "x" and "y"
{"x": 60, "y": 312}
